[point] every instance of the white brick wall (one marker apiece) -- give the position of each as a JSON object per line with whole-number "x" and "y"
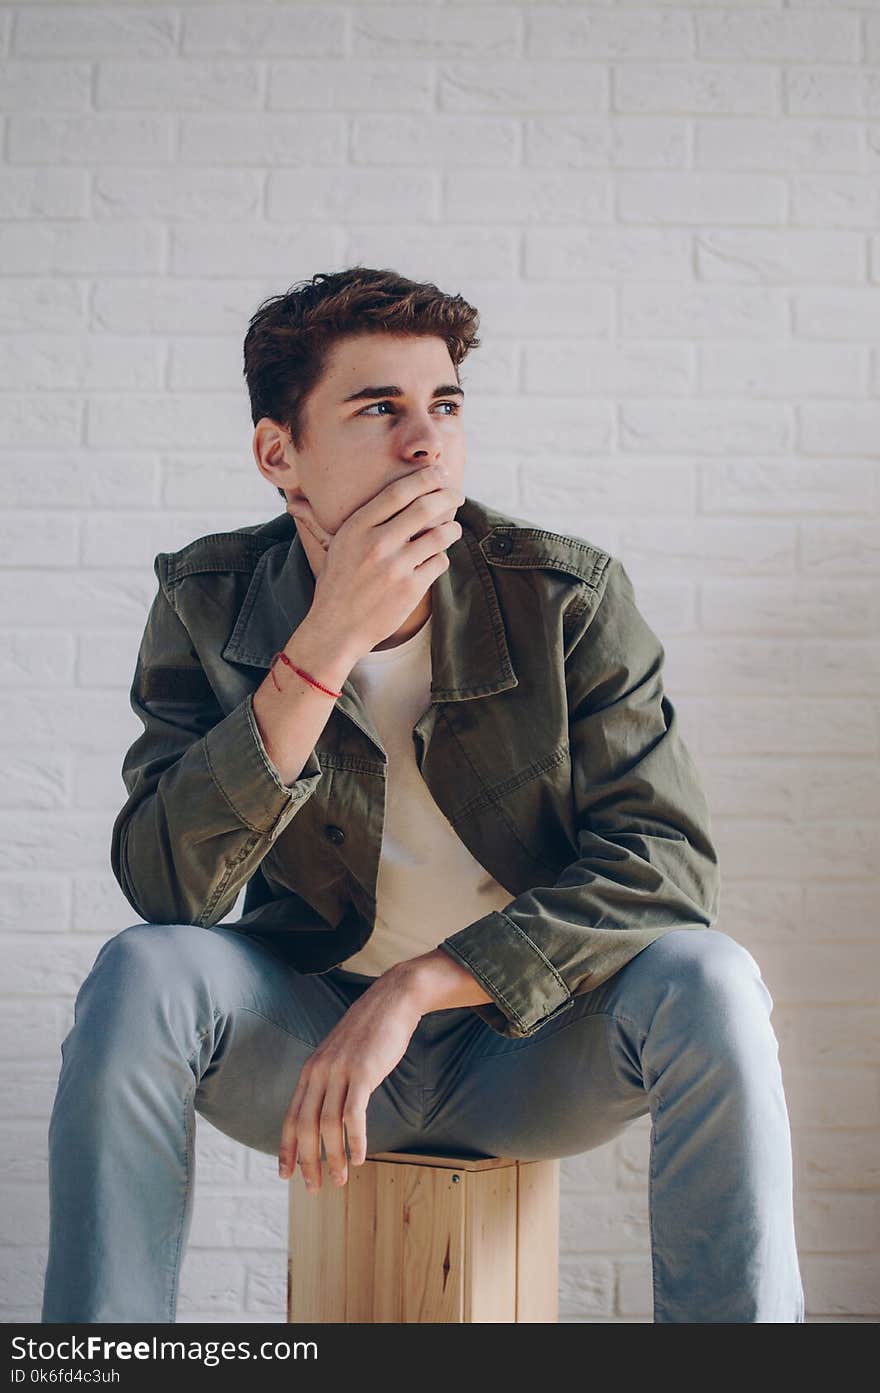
{"x": 667, "y": 214}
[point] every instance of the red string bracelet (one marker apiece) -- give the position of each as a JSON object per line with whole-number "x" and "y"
{"x": 308, "y": 677}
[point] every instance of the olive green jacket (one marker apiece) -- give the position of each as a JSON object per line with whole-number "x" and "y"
{"x": 548, "y": 744}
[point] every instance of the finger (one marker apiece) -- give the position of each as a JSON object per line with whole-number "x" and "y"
{"x": 322, "y": 537}
{"x": 308, "y": 1135}
{"x": 287, "y": 1150}
{"x": 301, "y": 509}
{"x": 432, "y": 540}
{"x": 331, "y": 1130}
{"x": 287, "y": 1146}
{"x": 425, "y": 512}
{"x": 356, "y": 1123}
{"x": 394, "y": 497}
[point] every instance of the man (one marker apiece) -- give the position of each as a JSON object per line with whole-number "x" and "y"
{"x": 432, "y": 744}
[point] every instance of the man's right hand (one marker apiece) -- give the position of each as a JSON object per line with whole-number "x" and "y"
{"x": 384, "y": 557}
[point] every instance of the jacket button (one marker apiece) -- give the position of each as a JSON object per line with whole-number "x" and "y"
{"x": 502, "y": 544}
{"x": 334, "y": 834}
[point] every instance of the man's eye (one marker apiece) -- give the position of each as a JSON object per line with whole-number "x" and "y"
{"x": 456, "y": 407}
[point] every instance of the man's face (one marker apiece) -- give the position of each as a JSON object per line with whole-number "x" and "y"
{"x": 351, "y": 448}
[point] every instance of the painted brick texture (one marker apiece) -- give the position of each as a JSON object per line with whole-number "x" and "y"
{"x": 667, "y": 214}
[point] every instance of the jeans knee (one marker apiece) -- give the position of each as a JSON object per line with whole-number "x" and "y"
{"x": 141, "y": 949}
{"x": 711, "y": 1008}
{"x": 716, "y": 975}
{"x": 145, "y": 979}
{"x": 140, "y": 969}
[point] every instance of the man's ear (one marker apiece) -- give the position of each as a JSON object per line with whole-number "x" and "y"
{"x": 299, "y": 507}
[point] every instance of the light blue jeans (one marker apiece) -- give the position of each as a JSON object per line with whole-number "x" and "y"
{"x": 174, "y": 1019}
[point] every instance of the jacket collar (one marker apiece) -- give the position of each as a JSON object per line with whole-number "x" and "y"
{"x": 469, "y": 652}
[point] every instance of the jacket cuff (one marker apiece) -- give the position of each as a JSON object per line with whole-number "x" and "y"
{"x": 247, "y": 778}
{"x": 528, "y": 989}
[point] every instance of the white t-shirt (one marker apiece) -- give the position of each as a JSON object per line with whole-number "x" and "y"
{"x": 429, "y": 885}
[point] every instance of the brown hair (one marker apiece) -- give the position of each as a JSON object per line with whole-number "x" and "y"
{"x": 290, "y": 336}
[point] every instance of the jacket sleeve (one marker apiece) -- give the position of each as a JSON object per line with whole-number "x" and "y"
{"x": 646, "y": 863}
{"x": 205, "y": 802}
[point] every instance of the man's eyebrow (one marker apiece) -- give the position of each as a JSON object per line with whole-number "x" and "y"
{"x": 370, "y": 393}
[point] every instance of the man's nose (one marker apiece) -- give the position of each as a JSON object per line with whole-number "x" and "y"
{"x": 423, "y": 449}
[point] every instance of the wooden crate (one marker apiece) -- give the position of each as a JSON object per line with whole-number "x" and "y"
{"x": 425, "y": 1238}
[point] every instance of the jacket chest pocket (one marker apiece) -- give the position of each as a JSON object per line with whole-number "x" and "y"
{"x": 514, "y": 747}
{"x": 521, "y": 826}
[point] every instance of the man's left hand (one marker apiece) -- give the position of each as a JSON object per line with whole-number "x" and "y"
{"x": 337, "y": 1080}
